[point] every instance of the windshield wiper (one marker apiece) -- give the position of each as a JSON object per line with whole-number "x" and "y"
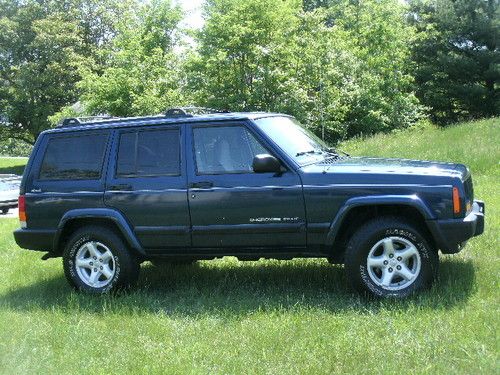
{"x": 307, "y": 152}
{"x": 336, "y": 151}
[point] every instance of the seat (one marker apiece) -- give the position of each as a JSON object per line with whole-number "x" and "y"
{"x": 223, "y": 156}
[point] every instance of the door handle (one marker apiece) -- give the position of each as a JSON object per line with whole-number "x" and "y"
{"x": 121, "y": 187}
{"x": 202, "y": 185}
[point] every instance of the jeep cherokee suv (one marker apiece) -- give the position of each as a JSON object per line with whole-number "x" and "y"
{"x": 111, "y": 193}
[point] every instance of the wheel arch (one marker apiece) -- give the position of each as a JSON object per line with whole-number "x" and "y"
{"x": 357, "y": 211}
{"x": 112, "y": 219}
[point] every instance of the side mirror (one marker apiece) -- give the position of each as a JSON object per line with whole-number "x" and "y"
{"x": 265, "y": 163}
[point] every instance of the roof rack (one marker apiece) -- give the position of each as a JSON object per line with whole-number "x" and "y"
{"x": 76, "y": 121}
{"x": 191, "y": 111}
{"x": 179, "y": 112}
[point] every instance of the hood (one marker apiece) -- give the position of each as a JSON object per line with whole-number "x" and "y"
{"x": 388, "y": 167}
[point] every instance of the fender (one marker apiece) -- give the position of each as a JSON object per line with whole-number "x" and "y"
{"x": 101, "y": 213}
{"x": 376, "y": 200}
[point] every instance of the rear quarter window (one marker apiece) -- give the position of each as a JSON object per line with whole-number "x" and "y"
{"x": 74, "y": 157}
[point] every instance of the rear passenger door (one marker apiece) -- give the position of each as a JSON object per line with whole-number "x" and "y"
{"x": 147, "y": 184}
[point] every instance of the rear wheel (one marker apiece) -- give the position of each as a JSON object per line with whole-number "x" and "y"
{"x": 5, "y": 211}
{"x": 389, "y": 257}
{"x": 97, "y": 261}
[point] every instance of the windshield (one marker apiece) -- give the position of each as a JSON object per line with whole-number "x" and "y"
{"x": 298, "y": 142}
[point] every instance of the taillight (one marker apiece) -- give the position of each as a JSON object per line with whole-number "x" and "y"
{"x": 22, "y": 210}
{"x": 456, "y": 201}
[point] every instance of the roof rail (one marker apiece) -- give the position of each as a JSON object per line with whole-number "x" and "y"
{"x": 76, "y": 121}
{"x": 191, "y": 111}
{"x": 178, "y": 112}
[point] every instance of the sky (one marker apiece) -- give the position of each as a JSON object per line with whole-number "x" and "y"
{"x": 192, "y": 10}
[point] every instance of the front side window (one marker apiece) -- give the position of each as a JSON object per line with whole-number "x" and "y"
{"x": 225, "y": 149}
{"x": 77, "y": 157}
{"x": 149, "y": 153}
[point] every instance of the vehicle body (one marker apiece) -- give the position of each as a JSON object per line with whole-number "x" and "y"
{"x": 9, "y": 192}
{"x": 252, "y": 185}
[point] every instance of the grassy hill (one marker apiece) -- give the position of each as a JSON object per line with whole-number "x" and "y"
{"x": 285, "y": 317}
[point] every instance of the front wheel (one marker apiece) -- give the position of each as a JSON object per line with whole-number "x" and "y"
{"x": 5, "y": 211}
{"x": 97, "y": 261}
{"x": 389, "y": 257}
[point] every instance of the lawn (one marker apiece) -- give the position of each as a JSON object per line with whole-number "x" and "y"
{"x": 12, "y": 165}
{"x": 286, "y": 317}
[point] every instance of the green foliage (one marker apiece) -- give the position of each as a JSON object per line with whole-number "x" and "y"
{"x": 266, "y": 317}
{"x": 457, "y": 57}
{"x": 14, "y": 147}
{"x": 342, "y": 67}
{"x": 351, "y": 76}
{"x": 42, "y": 46}
{"x": 141, "y": 74}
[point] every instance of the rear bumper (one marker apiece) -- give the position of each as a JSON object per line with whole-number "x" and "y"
{"x": 449, "y": 235}
{"x": 35, "y": 239}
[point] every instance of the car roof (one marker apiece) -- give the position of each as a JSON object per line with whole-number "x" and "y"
{"x": 121, "y": 122}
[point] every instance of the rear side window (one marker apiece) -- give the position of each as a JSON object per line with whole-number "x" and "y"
{"x": 76, "y": 157}
{"x": 149, "y": 153}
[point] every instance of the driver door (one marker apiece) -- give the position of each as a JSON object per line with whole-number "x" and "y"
{"x": 230, "y": 205}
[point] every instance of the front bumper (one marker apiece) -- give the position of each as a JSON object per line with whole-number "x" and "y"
{"x": 450, "y": 234}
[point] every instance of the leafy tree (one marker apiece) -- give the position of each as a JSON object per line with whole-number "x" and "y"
{"x": 142, "y": 74}
{"x": 457, "y": 57}
{"x": 341, "y": 69}
{"x": 384, "y": 99}
{"x": 241, "y": 52}
{"x": 42, "y": 45}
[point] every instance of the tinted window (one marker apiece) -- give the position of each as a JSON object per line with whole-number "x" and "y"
{"x": 225, "y": 149}
{"x": 74, "y": 158}
{"x": 149, "y": 153}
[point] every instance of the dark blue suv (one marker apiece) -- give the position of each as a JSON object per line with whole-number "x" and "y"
{"x": 111, "y": 193}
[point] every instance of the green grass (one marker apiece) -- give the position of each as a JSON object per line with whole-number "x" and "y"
{"x": 286, "y": 317}
{"x": 12, "y": 165}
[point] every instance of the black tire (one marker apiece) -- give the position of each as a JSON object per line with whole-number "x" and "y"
{"x": 124, "y": 265}
{"x": 165, "y": 262}
{"x": 5, "y": 211}
{"x": 387, "y": 233}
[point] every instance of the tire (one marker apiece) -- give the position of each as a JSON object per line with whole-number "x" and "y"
{"x": 389, "y": 257}
{"x": 97, "y": 261}
{"x": 5, "y": 211}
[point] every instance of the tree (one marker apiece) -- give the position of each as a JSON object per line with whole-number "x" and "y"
{"x": 457, "y": 58}
{"x": 142, "y": 72}
{"x": 241, "y": 51}
{"x": 342, "y": 69}
{"x": 42, "y": 46}
{"x": 385, "y": 97}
